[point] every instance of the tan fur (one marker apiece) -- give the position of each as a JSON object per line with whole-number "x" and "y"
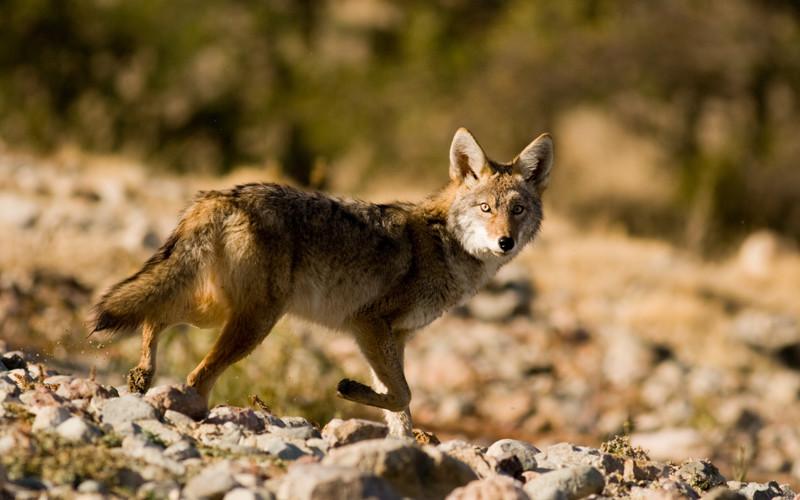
{"x": 242, "y": 258}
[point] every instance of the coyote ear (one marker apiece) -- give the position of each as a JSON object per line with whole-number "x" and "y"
{"x": 467, "y": 159}
{"x": 535, "y": 161}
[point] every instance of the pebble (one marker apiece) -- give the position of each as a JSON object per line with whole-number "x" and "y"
{"x": 126, "y": 409}
{"x": 566, "y": 455}
{"x": 213, "y": 481}
{"x": 181, "y": 450}
{"x": 412, "y": 471}
{"x": 700, "y": 474}
{"x": 242, "y": 417}
{"x": 304, "y": 432}
{"x": 77, "y": 429}
{"x": 490, "y": 488}
{"x": 242, "y": 494}
{"x": 760, "y": 491}
{"x": 566, "y": 484}
{"x": 279, "y": 448}
{"x": 50, "y": 417}
{"x": 525, "y": 452}
{"x": 182, "y": 399}
{"x": 331, "y": 482}
{"x": 161, "y": 431}
{"x": 340, "y": 432}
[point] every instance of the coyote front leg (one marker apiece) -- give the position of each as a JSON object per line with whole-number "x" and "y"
{"x": 384, "y": 353}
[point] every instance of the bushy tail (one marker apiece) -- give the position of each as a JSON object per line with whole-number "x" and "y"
{"x": 168, "y": 273}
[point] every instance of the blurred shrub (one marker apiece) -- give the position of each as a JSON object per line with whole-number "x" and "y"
{"x": 209, "y": 85}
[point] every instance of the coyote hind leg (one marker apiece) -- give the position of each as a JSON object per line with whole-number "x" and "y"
{"x": 141, "y": 376}
{"x": 241, "y": 334}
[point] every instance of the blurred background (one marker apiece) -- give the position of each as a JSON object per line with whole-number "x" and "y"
{"x": 663, "y": 298}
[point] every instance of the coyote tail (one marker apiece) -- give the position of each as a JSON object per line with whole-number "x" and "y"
{"x": 163, "y": 278}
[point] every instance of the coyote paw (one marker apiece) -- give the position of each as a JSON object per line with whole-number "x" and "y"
{"x": 139, "y": 380}
{"x": 350, "y": 389}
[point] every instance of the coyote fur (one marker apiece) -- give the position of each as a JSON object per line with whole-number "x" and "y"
{"x": 244, "y": 257}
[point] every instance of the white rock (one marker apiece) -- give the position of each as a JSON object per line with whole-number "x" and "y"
{"x": 77, "y": 429}
{"x": 278, "y": 447}
{"x": 125, "y": 409}
{"x": 213, "y": 481}
{"x": 525, "y": 452}
{"x": 50, "y": 417}
{"x": 241, "y": 494}
{"x": 566, "y": 484}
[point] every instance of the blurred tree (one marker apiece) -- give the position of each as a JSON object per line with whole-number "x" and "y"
{"x": 209, "y": 85}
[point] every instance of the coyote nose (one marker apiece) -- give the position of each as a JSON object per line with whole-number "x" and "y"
{"x": 506, "y": 243}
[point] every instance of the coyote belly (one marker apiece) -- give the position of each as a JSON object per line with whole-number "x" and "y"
{"x": 242, "y": 258}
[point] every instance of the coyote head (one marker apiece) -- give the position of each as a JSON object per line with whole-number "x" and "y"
{"x": 497, "y": 207}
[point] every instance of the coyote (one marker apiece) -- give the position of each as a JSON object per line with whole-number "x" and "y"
{"x": 244, "y": 257}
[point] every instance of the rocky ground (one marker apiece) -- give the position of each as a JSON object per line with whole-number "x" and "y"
{"x": 589, "y": 334}
{"x": 63, "y": 436}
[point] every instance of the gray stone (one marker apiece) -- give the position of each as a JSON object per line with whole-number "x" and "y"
{"x": 571, "y": 483}
{"x": 471, "y": 455}
{"x": 212, "y": 482}
{"x": 277, "y": 447}
{"x": 160, "y": 431}
{"x": 85, "y": 389}
{"x": 242, "y": 494}
{"x": 760, "y": 491}
{"x": 77, "y": 429}
{"x": 566, "y": 454}
{"x": 181, "y": 450}
{"x": 295, "y": 422}
{"x": 41, "y": 396}
{"x": 154, "y": 455}
{"x": 183, "y": 422}
{"x": 700, "y": 474}
{"x": 304, "y": 432}
{"x": 525, "y": 452}
{"x": 50, "y": 417}
{"x": 126, "y": 409}
{"x": 182, "y": 398}
{"x": 411, "y": 470}
{"x": 723, "y": 493}
{"x": 494, "y": 488}
{"x": 318, "y": 443}
{"x": 330, "y": 482}
{"x": 242, "y": 417}
{"x": 340, "y": 432}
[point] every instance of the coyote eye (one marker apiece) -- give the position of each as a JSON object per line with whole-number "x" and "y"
{"x": 485, "y": 207}
{"x": 517, "y": 209}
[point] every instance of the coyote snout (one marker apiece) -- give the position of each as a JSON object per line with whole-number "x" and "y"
{"x": 244, "y": 257}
